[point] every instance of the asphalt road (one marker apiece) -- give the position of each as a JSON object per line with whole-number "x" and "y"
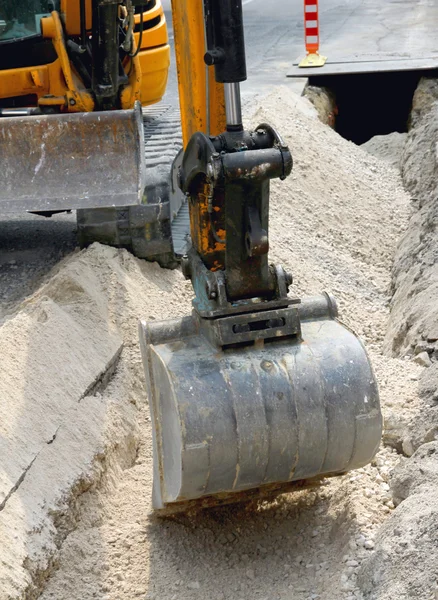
{"x": 30, "y": 245}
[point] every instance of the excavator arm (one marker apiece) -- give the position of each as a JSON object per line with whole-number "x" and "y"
{"x": 255, "y": 391}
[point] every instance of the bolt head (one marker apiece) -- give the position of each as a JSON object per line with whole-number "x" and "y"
{"x": 185, "y": 267}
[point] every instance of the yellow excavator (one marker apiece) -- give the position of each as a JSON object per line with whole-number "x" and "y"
{"x": 256, "y": 391}
{"x": 74, "y": 76}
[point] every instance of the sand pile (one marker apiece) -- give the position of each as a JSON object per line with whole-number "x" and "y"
{"x": 335, "y": 222}
{"x": 69, "y": 391}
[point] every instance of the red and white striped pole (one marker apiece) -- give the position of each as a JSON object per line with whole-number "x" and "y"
{"x": 311, "y": 35}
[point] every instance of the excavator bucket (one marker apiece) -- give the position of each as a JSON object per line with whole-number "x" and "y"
{"x": 64, "y": 161}
{"x": 234, "y": 423}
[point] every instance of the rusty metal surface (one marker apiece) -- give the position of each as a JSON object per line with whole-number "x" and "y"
{"x": 260, "y": 494}
{"x": 56, "y": 162}
{"x": 226, "y": 421}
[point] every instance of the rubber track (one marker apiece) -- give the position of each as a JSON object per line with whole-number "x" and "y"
{"x": 163, "y": 141}
{"x": 162, "y": 135}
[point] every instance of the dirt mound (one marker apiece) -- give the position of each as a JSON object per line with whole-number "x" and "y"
{"x": 414, "y": 310}
{"x": 388, "y": 148}
{"x": 413, "y": 324}
{"x": 70, "y": 394}
{"x": 403, "y": 565}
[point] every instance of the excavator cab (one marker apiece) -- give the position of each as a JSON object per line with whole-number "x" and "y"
{"x": 19, "y": 20}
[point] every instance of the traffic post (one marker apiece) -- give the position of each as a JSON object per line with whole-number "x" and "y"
{"x": 311, "y": 36}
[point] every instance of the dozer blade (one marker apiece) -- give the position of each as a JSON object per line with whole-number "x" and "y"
{"x": 66, "y": 161}
{"x": 250, "y": 420}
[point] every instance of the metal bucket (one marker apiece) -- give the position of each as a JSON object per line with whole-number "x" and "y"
{"x": 226, "y": 421}
{"x": 65, "y": 161}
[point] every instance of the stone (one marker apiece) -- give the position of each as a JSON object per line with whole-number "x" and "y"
{"x": 423, "y": 359}
{"x": 352, "y": 563}
{"x": 194, "y": 585}
{"x": 324, "y": 102}
{"x": 423, "y": 346}
{"x": 408, "y": 447}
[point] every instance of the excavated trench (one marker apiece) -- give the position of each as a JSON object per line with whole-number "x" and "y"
{"x": 402, "y": 565}
{"x": 336, "y": 222}
{"x": 369, "y": 104}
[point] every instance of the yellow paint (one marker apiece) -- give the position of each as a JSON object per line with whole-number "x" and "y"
{"x": 70, "y": 16}
{"x": 188, "y": 26}
{"x": 154, "y": 68}
{"x": 148, "y": 75}
{"x": 58, "y": 84}
{"x": 211, "y": 251}
{"x": 77, "y": 99}
{"x": 37, "y": 78}
{"x": 132, "y": 91}
{"x": 313, "y": 60}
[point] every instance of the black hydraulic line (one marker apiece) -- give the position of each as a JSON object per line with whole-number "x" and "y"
{"x": 79, "y": 58}
{"x": 141, "y": 34}
{"x": 83, "y": 23}
{"x": 225, "y": 40}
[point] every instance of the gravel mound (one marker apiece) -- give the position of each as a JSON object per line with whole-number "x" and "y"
{"x": 414, "y": 310}
{"x": 413, "y": 324}
{"x": 68, "y": 400}
{"x": 335, "y": 223}
{"x": 404, "y": 565}
{"x": 388, "y": 148}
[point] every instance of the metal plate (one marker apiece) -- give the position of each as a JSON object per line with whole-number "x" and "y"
{"x": 378, "y": 63}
